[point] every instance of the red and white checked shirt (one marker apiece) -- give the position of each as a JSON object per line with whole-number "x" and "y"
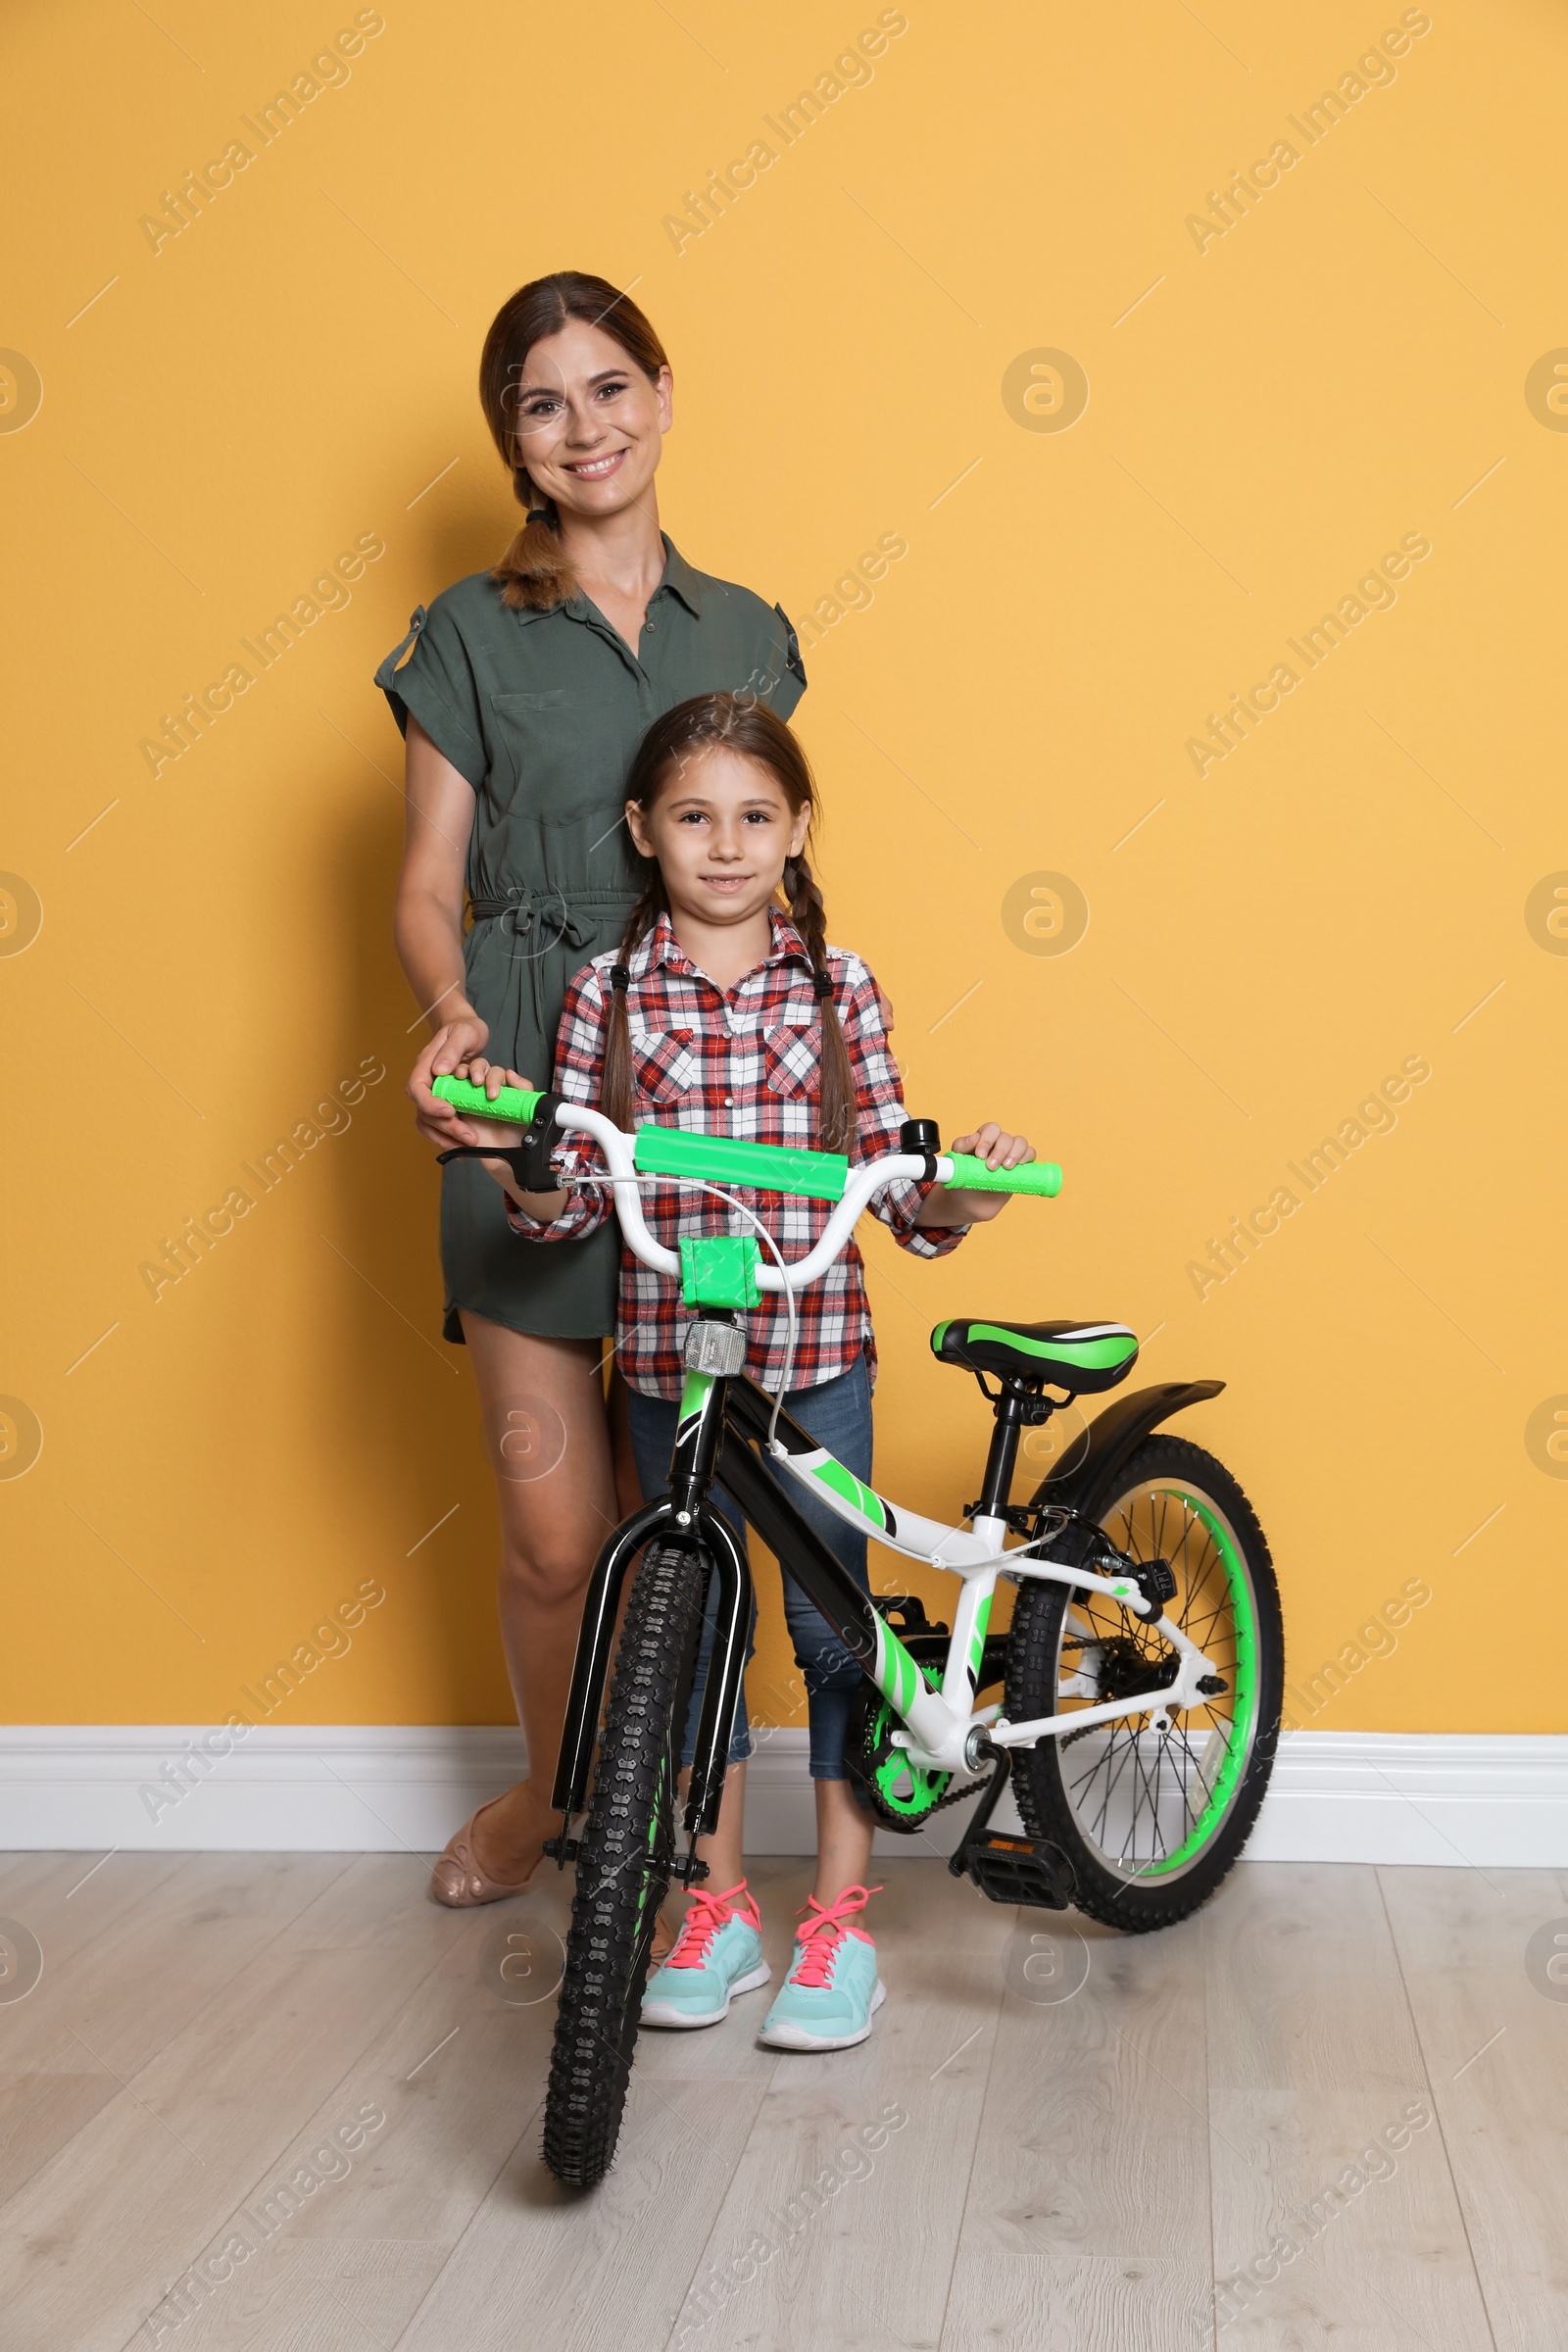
{"x": 741, "y": 1063}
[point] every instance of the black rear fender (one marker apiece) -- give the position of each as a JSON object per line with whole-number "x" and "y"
{"x": 1115, "y": 1434}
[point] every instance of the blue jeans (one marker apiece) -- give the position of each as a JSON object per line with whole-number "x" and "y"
{"x": 838, "y": 1414}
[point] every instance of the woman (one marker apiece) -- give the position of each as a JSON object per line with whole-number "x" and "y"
{"x": 523, "y": 693}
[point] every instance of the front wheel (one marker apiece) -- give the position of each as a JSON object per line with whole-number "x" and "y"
{"x": 624, "y": 1863}
{"x": 1151, "y": 1821}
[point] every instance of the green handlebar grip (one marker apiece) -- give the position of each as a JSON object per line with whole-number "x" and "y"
{"x": 1035, "y": 1176}
{"x": 734, "y": 1159}
{"x": 511, "y": 1103}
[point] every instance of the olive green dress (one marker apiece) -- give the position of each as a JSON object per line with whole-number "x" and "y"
{"x": 542, "y": 711}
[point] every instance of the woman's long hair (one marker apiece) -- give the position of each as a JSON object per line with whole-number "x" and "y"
{"x": 742, "y": 724}
{"x": 534, "y": 573}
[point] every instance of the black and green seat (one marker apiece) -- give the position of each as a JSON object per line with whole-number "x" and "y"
{"x": 1081, "y": 1356}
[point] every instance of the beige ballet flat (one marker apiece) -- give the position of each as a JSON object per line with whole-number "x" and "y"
{"x": 460, "y": 1879}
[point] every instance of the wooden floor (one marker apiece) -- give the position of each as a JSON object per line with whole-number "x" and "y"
{"x": 1008, "y": 2161}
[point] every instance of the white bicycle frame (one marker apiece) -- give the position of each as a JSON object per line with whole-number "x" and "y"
{"x": 943, "y": 1724}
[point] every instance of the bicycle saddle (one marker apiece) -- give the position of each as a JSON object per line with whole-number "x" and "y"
{"x": 1081, "y": 1356}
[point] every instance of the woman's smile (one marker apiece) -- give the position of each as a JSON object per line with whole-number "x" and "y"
{"x": 595, "y": 469}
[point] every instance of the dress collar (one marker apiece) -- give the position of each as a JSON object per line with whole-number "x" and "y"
{"x": 678, "y": 578}
{"x": 681, "y": 579}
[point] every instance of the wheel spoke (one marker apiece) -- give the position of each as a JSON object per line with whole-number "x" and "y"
{"x": 1138, "y": 1804}
{"x": 1127, "y": 1800}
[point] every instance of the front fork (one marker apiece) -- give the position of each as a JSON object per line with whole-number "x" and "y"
{"x": 685, "y": 1518}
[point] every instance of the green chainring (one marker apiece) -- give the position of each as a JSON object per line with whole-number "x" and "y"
{"x": 901, "y": 1796}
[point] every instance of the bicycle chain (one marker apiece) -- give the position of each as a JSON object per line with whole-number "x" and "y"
{"x": 956, "y": 1797}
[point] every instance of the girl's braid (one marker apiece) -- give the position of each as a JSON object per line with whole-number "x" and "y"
{"x": 836, "y": 1122}
{"x": 617, "y": 1097}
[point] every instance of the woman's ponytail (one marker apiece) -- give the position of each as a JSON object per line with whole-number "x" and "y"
{"x": 836, "y": 1122}
{"x": 534, "y": 575}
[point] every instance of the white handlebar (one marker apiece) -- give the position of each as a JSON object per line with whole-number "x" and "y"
{"x": 860, "y": 1188}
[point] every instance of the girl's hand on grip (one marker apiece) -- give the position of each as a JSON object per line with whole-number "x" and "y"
{"x": 995, "y": 1147}
{"x": 492, "y": 1077}
{"x": 948, "y": 1204}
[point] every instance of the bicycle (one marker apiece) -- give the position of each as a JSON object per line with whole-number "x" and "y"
{"x": 1142, "y": 1675}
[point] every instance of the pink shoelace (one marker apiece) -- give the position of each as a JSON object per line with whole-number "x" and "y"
{"x": 820, "y": 1938}
{"x": 706, "y": 1914}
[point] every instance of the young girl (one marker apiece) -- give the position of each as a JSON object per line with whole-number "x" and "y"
{"x": 720, "y": 1012}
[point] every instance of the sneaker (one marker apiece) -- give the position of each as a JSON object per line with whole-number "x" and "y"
{"x": 832, "y": 1990}
{"x": 717, "y": 1953}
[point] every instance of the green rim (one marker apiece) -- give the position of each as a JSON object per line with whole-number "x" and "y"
{"x": 1245, "y": 1714}
{"x": 650, "y": 1868}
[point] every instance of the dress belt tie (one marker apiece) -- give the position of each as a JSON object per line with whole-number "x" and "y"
{"x": 542, "y": 919}
{"x": 531, "y": 910}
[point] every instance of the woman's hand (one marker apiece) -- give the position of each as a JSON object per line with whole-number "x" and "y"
{"x": 454, "y": 1050}
{"x": 956, "y": 1204}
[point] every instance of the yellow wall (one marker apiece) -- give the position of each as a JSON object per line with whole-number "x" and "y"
{"x": 1269, "y": 412}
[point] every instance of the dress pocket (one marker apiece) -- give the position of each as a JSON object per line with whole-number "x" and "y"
{"x": 568, "y": 754}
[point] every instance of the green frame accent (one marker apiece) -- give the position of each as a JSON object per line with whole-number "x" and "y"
{"x": 977, "y": 1640}
{"x": 1240, "y": 1747}
{"x": 866, "y": 1500}
{"x": 896, "y": 1673}
{"x": 719, "y": 1270}
{"x": 693, "y": 1396}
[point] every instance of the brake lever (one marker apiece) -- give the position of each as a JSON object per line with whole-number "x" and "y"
{"x": 528, "y": 1158}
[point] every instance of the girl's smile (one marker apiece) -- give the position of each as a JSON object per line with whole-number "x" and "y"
{"x": 721, "y": 830}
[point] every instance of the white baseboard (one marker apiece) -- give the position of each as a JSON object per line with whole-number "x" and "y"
{"x": 1494, "y": 1799}
{"x": 1498, "y": 1800}
{"x": 295, "y": 1788}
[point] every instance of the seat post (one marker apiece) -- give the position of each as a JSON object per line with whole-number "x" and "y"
{"x": 1003, "y": 1454}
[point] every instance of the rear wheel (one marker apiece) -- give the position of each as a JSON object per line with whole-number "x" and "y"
{"x": 624, "y": 1863}
{"x": 1150, "y": 1821}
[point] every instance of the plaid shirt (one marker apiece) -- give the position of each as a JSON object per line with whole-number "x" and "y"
{"x": 746, "y": 1063}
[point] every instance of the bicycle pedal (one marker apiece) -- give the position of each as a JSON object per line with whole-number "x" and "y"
{"x": 906, "y": 1613}
{"x": 1018, "y": 1870}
